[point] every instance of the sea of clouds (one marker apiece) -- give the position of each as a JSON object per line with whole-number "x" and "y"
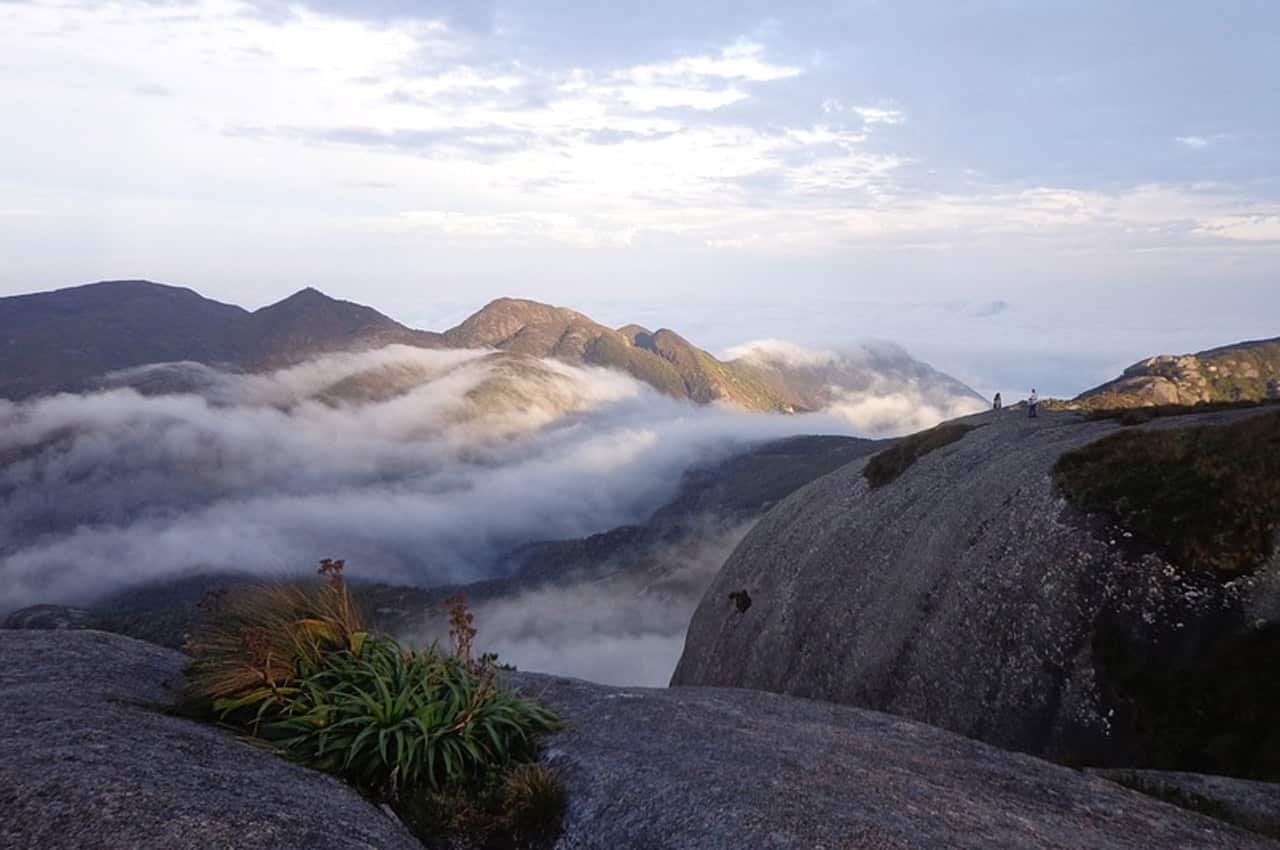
{"x": 418, "y": 467}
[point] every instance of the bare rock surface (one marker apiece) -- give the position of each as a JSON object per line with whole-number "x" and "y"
{"x": 90, "y": 760}
{"x": 718, "y": 768}
{"x": 50, "y": 617}
{"x": 1244, "y": 802}
{"x": 970, "y": 595}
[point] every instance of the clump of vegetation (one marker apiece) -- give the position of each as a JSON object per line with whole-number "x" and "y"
{"x": 1141, "y": 415}
{"x": 1208, "y": 495}
{"x": 519, "y": 808}
{"x": 431, "y": 732}
{"x": 1172, "y": 794}
{"x": 895, "y": 460}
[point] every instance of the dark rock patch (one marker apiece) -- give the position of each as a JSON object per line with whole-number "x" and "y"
{"x": 1252, "y": 805}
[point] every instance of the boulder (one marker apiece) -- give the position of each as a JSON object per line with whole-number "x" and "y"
{"x": 92, "y": 759}
{"x": 969, "y": 594}
{"x": 724, "y": 769}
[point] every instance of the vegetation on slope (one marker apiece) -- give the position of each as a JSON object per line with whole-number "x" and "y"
{"x": 885, "y": 467}
{"x": 431, "y": 733}
{"x": 1129, "y": 416}
{"x": 1208, "y": 495}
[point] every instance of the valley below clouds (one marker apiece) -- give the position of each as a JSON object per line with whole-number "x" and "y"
{"x": 419, "y": 467}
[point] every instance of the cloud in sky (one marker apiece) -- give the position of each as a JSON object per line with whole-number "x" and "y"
{"x": 397, "y": 152}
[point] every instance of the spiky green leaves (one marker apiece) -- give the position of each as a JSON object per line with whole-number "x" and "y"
{"x": 389, "y": 717}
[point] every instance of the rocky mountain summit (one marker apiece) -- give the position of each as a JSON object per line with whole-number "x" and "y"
{"x": 1246, "y": 371}
{"x": 962, "y": 587}
{"x": 94, "y": 758}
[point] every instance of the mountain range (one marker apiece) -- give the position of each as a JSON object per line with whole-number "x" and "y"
{"x": 69, "y": 339}
{"x": 63, "y": 340}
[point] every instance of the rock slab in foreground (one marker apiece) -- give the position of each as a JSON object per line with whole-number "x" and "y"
{"x": 88, "y": 760}
{"x": 721, "y": 769}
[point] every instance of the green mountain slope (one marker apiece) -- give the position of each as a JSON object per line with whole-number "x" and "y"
{"x": 1246, "y": 371}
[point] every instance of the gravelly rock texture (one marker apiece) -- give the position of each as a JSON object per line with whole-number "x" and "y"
{"x": 88, "y": 760}
{"x": 968, "y": 594}
{"x": 715, "y": 769}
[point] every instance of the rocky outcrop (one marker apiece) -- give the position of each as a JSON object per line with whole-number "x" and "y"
{"x": 91, "y": 759}
{"x": 967, "y": 593}
{"x": 1247, "y": 371}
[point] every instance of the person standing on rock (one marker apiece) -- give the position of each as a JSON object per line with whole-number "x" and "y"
{"x": 997, "y": 403}
{"x": 1033, "y": 401}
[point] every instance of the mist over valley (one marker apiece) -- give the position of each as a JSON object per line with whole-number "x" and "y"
{"x": 421, "y": 463}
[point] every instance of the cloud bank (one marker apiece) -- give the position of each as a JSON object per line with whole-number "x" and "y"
{"x": 877, "y": 387}
{"x": 419, "y": 467}
{"x": 625, "y": 629}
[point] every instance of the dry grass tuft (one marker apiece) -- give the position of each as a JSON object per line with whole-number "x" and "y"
{"x": 257, "y": 639}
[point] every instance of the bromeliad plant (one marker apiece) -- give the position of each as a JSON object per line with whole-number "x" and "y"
{"x": 387, "y": 717}
{"x": 295, "y": 667}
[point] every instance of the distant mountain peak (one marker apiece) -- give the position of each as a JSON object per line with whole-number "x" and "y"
{"x": 66, "y": 339}
{"x": 306, "y": 297}
{"x": 498, "y": 323}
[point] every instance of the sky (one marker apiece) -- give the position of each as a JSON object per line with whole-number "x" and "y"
{"x": 1022, "y": 193}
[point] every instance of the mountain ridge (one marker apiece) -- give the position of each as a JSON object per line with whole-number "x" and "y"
{"x": 66, "y": 340}
{"x": 663, "y": 359}
{"x": 60, "y": 341}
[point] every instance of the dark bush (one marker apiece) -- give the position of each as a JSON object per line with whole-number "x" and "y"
{"x": 1208, "y": 495}
{"x": 895, "y": 460}
{"x": 1143, "y": 415}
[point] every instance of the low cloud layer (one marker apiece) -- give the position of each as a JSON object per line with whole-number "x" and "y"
{"x": 625, "y": 629}
{"x": 419, "y": 467}
{"x": 877, "y": 387}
